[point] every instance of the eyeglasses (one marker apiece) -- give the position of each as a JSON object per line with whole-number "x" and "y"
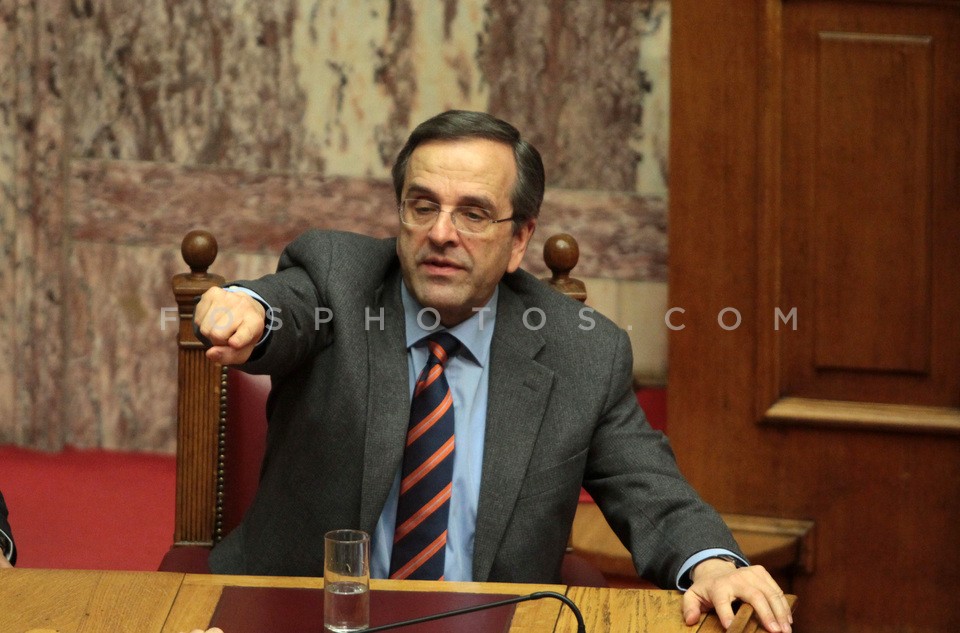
{"x": 419, "y": 212}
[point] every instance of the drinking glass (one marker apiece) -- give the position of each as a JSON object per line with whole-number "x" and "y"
{"x": 346, "y": 581}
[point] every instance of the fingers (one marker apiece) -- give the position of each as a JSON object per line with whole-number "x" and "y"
{"x": 233, "y": 322}
{"x": 778, "y": 600}
{"x": 769, "y": 603}
{"x": 763, "y": 611}
{"x": 725, "y": 612}
{"x": 693, "y": 607}
{"x": 753, "y": 585}
{"x": 226, "y": 355}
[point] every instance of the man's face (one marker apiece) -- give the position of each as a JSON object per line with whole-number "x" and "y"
{"x": 444, "y": 269}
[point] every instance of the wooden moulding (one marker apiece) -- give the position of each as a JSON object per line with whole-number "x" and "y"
{"x": 864, "y": 415}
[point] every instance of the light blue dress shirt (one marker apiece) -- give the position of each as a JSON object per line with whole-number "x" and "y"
{"x": 468, "y": 375}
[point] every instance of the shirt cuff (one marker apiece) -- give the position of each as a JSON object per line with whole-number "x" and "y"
{"x": 683, "y": 576}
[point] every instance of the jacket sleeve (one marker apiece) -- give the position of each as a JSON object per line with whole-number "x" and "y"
{"x": 633, "y": 476}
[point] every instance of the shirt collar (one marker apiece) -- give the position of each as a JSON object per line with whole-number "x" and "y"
{"x": 475, "y": 334}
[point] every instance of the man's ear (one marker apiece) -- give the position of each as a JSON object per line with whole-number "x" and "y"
{"x": 521, "y": 238}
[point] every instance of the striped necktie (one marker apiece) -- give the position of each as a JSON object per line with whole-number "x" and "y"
{"x": 427, "y": 476}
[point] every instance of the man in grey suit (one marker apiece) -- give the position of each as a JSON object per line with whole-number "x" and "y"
{"x": 540, "y": 387}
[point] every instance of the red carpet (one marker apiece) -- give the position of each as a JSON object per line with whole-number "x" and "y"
{"x": 89, "y": 509}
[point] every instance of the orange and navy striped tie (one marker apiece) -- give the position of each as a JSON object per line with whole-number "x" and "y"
{"x": 427, "y": 476}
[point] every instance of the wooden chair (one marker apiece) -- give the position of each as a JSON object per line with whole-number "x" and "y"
{"x": 221, "y": 422}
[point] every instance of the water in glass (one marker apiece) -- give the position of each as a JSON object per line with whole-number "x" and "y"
{"x": 346, "y": 607}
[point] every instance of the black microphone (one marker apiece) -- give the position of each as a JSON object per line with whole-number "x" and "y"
{"x": 581, "y": 627}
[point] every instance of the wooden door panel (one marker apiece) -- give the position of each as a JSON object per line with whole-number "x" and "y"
{"x": 869, "y": 231}
{"x": 871, "y": 202}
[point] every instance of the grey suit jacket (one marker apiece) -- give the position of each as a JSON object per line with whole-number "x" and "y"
{"x": 561, "y": 413}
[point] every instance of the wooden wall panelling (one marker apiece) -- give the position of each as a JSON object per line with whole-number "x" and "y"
{"x": 777, "y": 113}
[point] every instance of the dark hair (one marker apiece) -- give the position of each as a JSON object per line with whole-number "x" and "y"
{"x": 527, "y": 194}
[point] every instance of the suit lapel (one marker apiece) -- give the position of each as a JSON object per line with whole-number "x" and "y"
{"x": 519, "y": 391}
{"x": 388, "y": 407}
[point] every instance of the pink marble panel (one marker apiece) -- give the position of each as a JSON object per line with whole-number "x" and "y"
{"x": 654, "y": 168}
{"x": 621, "y": 235}
{"x": 158, "y": 203}
{"x": 228, "y": 84}
{"x": 120, "y": 367}
{"x": 11, "y": 52}
{"x": 397, "y": 78}
{"x": 568, "y": 75}
{"x": 189, "y": 82}
{"x": 38, "y": 239}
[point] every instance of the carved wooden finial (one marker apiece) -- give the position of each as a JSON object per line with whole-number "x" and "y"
{"x": 199, "y": 249}
{"x": 560, "y": 254}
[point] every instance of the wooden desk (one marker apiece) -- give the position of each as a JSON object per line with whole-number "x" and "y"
{"x": 645, "y": 611}
{"x": 69, "y": 601}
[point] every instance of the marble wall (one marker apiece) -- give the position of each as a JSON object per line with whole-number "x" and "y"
{"x": 125, "y": 124}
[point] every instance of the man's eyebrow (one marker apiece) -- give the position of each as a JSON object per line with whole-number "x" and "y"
{"x": 476, "y": 201}
{"x": 420, "y": 190}
{"x": 471, "y": 200}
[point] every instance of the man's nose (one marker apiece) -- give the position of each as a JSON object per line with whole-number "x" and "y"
{"x": 443, "y": 229}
